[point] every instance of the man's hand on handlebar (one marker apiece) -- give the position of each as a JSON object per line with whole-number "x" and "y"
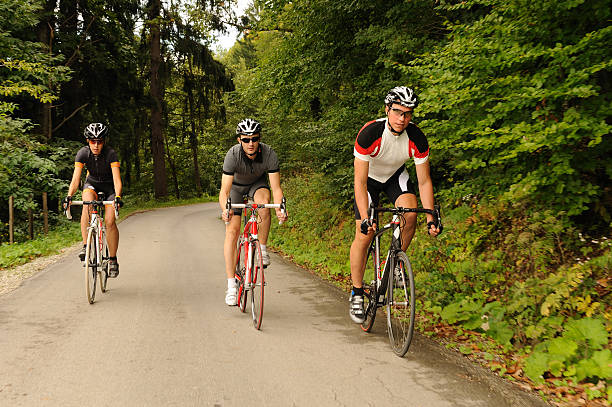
{"x": 226, "y": 215}
{"x": 118, "y": 202}
{"x": 66, "y": 202}
{"x": 367, "y": 226}
{"x": 281, "y": 214}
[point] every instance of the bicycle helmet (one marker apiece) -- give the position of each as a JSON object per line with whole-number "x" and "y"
{"x": 248, "y": 127}
{"x": 402, "y": 95}
{"x": 95, "y": 131}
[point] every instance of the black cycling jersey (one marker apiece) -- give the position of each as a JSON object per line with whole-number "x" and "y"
{"x": 98, "y": 167}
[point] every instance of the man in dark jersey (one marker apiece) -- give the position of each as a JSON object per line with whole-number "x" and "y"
{"x": 246, "y": 169}
{"x": 102, "y": 176}
{"x": 381, "y": 149}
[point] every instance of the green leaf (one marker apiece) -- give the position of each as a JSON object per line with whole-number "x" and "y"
{"x": 562, "y": 348}
{"x": 591, "y": 330}
{"x": 535, "y": 366}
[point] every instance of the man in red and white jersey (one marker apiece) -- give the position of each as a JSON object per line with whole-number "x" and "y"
{"x": 381, "y": 150}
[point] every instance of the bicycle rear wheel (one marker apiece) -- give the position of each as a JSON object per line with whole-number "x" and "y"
{"x": 400, "y": 304}
{"x": 257, "y": 286}
{"x": 239, "y": 275}
{"x": 91, "y": 262}
{"x": 369, "y": 304}
{"x": 369, "y": 297}
{"x": 103, "y": 271}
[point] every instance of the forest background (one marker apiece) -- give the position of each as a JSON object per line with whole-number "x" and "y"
{"x": 515, "y": 101}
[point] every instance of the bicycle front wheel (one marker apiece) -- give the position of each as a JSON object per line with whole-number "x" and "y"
{"x": 257, "y": 287}
{"x": 400, "y": 304}
{"x": 91, "y": 262}
{"x": 240, "y": 275}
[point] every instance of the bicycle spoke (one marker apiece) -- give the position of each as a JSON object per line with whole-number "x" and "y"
{"x": 240, "y": 276}
{"x": 90, "y": 266}
{"x": 369, "y": 303}
{"x": 257, "y": 287}
{"x": 103, "y": 271}
{"x": 400, "y": 305}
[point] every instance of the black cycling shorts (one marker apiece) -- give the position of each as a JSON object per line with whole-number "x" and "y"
{"x": 239, "y": 192}
{"x": 107, "y": 187}
{"x": 398, "y": 184}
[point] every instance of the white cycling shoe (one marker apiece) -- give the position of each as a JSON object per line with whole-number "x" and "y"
{"x": 265, "y": 259}
{"x": 231, "y": 295}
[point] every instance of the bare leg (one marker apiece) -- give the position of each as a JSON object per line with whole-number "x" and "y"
{"x": 262, "y": 196}
{"x": 358, "y": 254}
{"x": 232, "y": 230}
{"x": 112, "y": 232}
{"x": 407, "y": 201}
{"x": 88, "y": 195}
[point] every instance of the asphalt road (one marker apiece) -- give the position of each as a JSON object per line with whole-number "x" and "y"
{"x": 163, "y": 336}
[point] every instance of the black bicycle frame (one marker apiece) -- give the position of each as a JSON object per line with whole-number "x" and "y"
{"x": 396, "y": 243}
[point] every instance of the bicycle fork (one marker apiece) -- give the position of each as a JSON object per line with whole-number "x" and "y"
{"x": 383, "y": 276}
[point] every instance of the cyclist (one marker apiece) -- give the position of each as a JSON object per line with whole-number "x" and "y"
{"x": 102, "y": 176}
{"x": 381, "y": 149}
{"x": 244, "y": 174}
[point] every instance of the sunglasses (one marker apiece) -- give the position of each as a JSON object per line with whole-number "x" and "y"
{"x": 398, "y": 112}
{"x": 247, "y": 140}
{"x": 96, "y": 141}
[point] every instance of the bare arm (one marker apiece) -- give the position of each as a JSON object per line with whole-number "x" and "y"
{"x": 224, "y": 193}
{"x": 117, "y": 181}
{"x": 76, "y": 177}
{"x": 361, "y": 186}
{"x": 278, "y": 193}
{"x": 426, "y": 189}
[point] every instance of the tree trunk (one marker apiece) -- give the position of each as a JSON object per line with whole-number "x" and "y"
{"x": 177, "y": 192}
{"x": 157, "y": 140}
{"x": 193, "y": 141}
{"x": 137, "y": 139}
{"x": 46, "y": 29}
{"x": 71, "y": 92}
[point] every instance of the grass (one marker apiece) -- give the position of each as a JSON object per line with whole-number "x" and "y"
{"x": 67, "y": 232}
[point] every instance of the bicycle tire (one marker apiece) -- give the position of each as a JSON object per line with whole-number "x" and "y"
{"x": 90, "y": 266}
{"x": 400, "y": 304}
{"x": 258, "y": 283}
{"x": 239, "y": 275}
{"x": 369, "y": 304}
{"x": 103, "y": 272}
{"x": 369, "y": 297}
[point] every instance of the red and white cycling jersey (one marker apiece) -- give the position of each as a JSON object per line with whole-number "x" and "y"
{"x": 386, "y": 152}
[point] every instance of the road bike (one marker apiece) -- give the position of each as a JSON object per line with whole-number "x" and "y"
{"x": 392, "y": 290}
{"x": 249, "y": 265}
{"x": 96, "y": 261}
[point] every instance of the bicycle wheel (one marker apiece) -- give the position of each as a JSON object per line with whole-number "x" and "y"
{"x": 91, "y": 262}
{"x": 257, "y": 286}
{"x": 369, "y": 304}
{"x": 369, "y": 298}
{"x": 400, "y": 304}
{"x": 103, "y": 271}
{"x": 239, "y": 275}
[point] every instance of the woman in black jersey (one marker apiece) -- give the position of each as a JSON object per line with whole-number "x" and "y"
{"x": 103, "y": 175}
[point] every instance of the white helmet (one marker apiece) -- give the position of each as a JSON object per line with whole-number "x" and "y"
{"x": 248, "y": 127}
{"x": 403, "y": 96}
{"x": 95, "y": 131}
